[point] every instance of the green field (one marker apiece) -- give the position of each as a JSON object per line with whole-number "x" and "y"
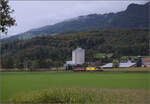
{"x": 13, "y": 83}
{"x": 100, "y": 55}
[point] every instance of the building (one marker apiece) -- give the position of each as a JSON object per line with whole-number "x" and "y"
{"x": 94, "y": 63}
{"x": 139, "y": 61}
{"x": 146, "y": 62}
{"x": 109, "y": 55}
{"x": 69, "y": 62}
{"x": 78, "y": 57}
{"x": 121, "y": 65}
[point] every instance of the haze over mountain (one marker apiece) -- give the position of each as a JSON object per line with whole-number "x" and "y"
{"x": 135, "y": 16}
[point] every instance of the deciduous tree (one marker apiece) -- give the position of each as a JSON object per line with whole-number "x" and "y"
{"x": 6, "y": 19}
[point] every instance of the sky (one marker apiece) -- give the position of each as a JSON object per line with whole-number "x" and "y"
{"x": 34, "y": 14}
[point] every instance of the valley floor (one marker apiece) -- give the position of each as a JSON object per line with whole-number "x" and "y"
{"x": 26, "y": 82}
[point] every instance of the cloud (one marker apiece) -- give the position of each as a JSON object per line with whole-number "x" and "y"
{"x": 34, "y": 14}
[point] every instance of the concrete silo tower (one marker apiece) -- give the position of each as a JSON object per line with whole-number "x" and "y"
{"x": 78, "y": 56}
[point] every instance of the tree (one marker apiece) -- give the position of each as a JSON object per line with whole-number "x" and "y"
{"x": 5, "y": 16}
{"x": 48, "y": 63}
{"x": 33, "y": 65}
{"x": 115, "y": 63}
{"x": 8, "y": 62}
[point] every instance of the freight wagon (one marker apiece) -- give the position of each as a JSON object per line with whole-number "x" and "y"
{"x": 79, "y": 69}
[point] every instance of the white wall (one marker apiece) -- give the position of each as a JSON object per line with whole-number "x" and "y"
{"x": 78, "y": 56}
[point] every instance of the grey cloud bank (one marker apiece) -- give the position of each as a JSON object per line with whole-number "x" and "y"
{"x": 34, "y": 14}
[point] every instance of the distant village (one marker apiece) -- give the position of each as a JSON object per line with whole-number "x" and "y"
{"x": 78, "y": 59}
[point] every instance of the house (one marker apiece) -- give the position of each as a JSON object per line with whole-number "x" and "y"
{"x": 109, "y": 55}
{"x": 145, "y": 62}
{"x": 121, "y": 65}
{"x": 94, "y": 63}
{"x": 69, "y": 62}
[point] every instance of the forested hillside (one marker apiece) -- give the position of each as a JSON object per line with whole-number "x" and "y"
{"x": 48, "y": 51}
{"x": 135, "y": 16}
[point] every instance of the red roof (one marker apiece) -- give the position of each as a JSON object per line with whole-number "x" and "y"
{"x": 145, "y": 60}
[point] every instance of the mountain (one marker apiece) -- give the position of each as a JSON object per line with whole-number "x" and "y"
{"x": 135, "y": 16}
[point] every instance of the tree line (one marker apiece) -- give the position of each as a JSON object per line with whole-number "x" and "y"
{"x": 53, "y": 51}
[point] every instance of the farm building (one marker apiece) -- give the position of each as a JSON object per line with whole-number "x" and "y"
{"x": 94, "y": 63}
{"x": 78, "y": 57}
{"x": 69, "y": 62}
{"x": 146, "y": 62}
{"x": 121, "y": 65}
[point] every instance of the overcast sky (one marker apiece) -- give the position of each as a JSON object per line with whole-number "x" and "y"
{"x": 34, "y": 14}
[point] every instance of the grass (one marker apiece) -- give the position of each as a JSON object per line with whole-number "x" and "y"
{"x": 100, "y": 55}
{"x": 127, "y": 70}
{"x": 39, "y": 69}
{"x": 135, "y": 57}
{"x": 13, "y": 83}
{"x": 83, "y": 96}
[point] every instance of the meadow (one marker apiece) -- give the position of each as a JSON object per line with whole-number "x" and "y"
{"x": 14, "y": 83}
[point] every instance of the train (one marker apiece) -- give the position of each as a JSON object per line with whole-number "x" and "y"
{"x": 84, "y": 69}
